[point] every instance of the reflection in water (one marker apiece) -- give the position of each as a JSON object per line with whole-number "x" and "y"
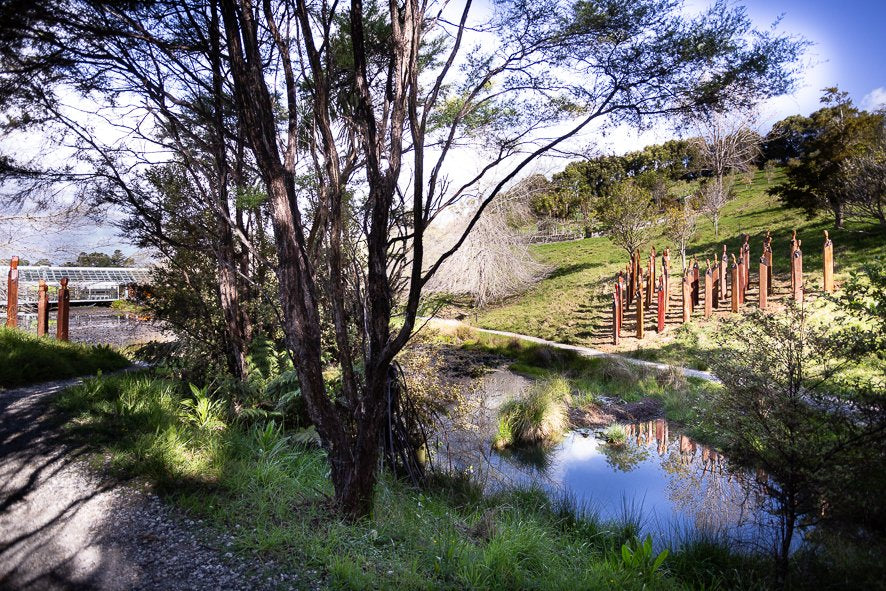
{"x": 680, "y": 488}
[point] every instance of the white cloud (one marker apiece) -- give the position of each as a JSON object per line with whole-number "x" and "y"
{"x": 874, "y": 99}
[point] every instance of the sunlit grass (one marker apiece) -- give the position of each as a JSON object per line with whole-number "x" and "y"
{"x": 28, "y": 359}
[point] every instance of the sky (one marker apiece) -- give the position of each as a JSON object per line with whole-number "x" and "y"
{"x": 848, "y": 41}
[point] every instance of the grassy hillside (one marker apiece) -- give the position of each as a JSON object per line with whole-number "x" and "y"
{"x": 572, "y": 305}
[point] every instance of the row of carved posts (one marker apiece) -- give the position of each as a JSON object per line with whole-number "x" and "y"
{"x": 731, "y": 270}
{"x": 64, "y": 304}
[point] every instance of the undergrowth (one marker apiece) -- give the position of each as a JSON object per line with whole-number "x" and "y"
{"x": 272, "y": 494}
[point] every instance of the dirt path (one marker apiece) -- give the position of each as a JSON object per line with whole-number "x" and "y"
{"x": 586, "y": 351}
{"x": 64, "y": 527}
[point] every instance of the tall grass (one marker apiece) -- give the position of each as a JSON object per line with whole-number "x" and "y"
{"x": 272, "y": 495}
{"x": 28, "y": 359}
{"x": 541, "y": 416}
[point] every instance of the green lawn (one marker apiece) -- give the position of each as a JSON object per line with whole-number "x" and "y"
{"x": 27, "y": 359}
{"x": 572, "y": 305}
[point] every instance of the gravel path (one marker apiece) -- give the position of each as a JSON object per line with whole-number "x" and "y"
{"x": 64, "y": 527}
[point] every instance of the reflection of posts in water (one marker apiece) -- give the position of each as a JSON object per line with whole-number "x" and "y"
{"x": 42, "y": 308}
{"x": 12, "y": 294}
{"x": 64, "y": 307}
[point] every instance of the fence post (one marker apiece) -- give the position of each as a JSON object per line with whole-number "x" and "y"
{"x": 797, "y": 272}
{"x": 764, "y": 281}
{"x": 629, "y": 284}
{"x": 42, "y": 308}
{"x": 828, "y": 264}
{"x": 735, "y": 285}
{"x": 666, "y": 275}
{"x": 12, "y": 294}
{"x": 64, "y": 306}
{"x": 767, "y": 254}
{"x": 746, "y": 258}
{"x": 695, "y": 284}
{"x": 708, "y": 290}
{"x": 650, "y": 286}
{"x": 639, "y": 309}
{"x": 739, "y": 285}
{"x": 794, "y": 247}
{"x": 661, "y": 305}
{"x": 687, "y": 298}
{"x": 724, "y": 264}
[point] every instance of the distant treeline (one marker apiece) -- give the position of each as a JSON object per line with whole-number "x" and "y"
{"x": 831, "y": 157}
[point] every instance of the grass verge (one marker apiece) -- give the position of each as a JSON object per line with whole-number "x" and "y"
{"x": 27, "y": 359}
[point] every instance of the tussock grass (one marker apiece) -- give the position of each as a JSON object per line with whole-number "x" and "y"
{"x": 272, "y": 495}
{"x": 541, "y": 416}
{"x": 28, "y": 359}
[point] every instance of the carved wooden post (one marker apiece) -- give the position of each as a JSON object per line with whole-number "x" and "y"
{"x": 767, "y": 252}
{"x": 616, "y": 313}
{"x": 764, "y": 281}
{"x": 695, "y": 284}
{"x": 666, "y": 275}
{"x": 639, "y": 309}
{"x": 42, "y": 308}
{"x": 746, "y": 258}
{"x": 687, "y": 297}
{"x": 739, "y": 284}
{"x": 650, "y": 274}
{"x": 661, "y": 305}
{"x": 708, "y": 291}
{"x": 622, "y": 305}
{"x": 828, "y": 259}
{"x": 797, "y": 272}
{"x": 735, "y": 281}
{"x": 64, "y": 306}
{"x": 12, "y": 294}
{"x": 629, "y": 284}
{"x": 794, "y": 247}
{"x": 724, "y": 265}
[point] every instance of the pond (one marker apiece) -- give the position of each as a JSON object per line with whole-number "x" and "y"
{"x": 671, "y": 486}
{"x": 98, "y": 325}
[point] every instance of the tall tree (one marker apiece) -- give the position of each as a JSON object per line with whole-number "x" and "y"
{"x": 828, "y": 139}
{"x": 351, "y": 114}
{"x": 726, "y": 145}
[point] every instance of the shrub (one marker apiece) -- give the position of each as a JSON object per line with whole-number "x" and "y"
{"x": 539, "y": 417}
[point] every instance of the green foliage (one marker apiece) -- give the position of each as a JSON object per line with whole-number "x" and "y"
{"x": 202, "y": 410}
{"x": 270, "y": 494}
{"x": 639, "y": 557}
{"x": 628, "y": 216}
{"x": 615, "y": 434}
{"x": 100, "y": 259}
{"x": 26, "y": 359}
{"x": 819, "y": 145}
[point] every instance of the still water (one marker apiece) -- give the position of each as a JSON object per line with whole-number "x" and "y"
{"x": 675, "y": 488}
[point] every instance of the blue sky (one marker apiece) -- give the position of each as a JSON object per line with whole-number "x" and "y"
{"x": 849, "y": 37}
